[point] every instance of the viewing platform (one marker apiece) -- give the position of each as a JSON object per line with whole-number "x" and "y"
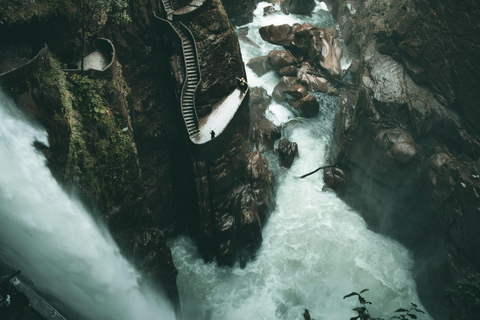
{"x": 225, "y": 116}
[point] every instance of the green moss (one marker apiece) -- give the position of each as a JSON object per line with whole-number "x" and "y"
{"x": 102, "y": 161}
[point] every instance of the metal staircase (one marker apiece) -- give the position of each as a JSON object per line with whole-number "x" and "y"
{"x": 192, "y": 72}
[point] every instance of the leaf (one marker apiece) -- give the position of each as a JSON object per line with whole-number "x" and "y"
{"x": 361, "y": 299}
{"x": 401, "y": 310}
{"x": 354, "y": 318}
{"x": 418, "y": 310}
{"x": 364, "y": 290}
{"x": 413, "y": 304}
{"x": 359, "y": 309}
{"x": 411, "y": 315}
{"x": 351, "y": 294}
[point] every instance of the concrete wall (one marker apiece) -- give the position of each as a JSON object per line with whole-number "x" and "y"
{"x": 107, "y": 49}
{"x": 25, "y": 72}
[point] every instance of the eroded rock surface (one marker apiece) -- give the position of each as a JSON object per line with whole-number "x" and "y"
{"x": 407, "y": 141}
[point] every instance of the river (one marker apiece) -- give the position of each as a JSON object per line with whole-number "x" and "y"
{"x": 315, "y": 249}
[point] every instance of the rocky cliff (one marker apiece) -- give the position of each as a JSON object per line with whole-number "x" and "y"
{"x": 119, "y": 142}
{"x": 407, "y": 140}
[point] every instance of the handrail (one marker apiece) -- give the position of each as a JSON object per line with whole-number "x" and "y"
{"x": 38, "y": 303}
{"x": 23, "y": 73}
{"x": 180, "y": 29}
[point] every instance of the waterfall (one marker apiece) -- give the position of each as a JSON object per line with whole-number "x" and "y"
{"x": 315, "y": 250}
{"x": 54, "y": 240}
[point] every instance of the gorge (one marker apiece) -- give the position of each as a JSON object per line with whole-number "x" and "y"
{"x": 248, "y": 238}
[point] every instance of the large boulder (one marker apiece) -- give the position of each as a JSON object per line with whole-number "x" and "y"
{"x": 308, "y": 106}
{"x": 298, "y": 6}
{"x": 259, "y": 65}
{"x": 265, "y": 133}
{"x": 279, "y": 59}
{"x": 320, "y": 44}
{"x": 313, "y": 83}
{"x": 282, "y": 34}
{"x": 287, "y": 151}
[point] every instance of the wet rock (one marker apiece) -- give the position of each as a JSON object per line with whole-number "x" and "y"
{"x": 398, "y": 143}
{"x": 279, "y": 59}
{"x": 320, "y": 44}
{"x": 282, "y": 34}
{"x": 259, "y": 101}
{"x": 282, "y": 86}
{"x": 259, "y": 65}
{"x": 239, "y": 12}
{"x": 313, "y": 83}
{"x": 268, "y": 10}
{"x": 249, "y": 222}
{"x": 261, "y": 181}
{"x": 290, "y": 71}
{"x": 308, "y": 106}
{"x": 265, "y": 133}
{"x": 334, "y": 179}
{"x": 219, "y": 54}
{"x": 295, "y": 92}
{"x": 287, "y": 151}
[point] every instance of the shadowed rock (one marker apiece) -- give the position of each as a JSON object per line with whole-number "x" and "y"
{"x": 287, "y": 151}
{"x": 259, "y": 65}
{"x": 279, "y": 59}
{"x": 265, "y": 134}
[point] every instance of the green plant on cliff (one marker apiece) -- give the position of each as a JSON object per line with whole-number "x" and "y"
{"x": 87, "y": 98}
{"x": 464, "y": 299}
{"x": 364, "y": 314}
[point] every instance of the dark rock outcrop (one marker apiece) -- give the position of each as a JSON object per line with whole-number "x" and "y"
{"x": 287, "y": 151}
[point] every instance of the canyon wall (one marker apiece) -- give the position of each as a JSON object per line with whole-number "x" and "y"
{"x": 406, "y": 140}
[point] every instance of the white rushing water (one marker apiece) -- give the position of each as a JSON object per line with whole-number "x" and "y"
{"x": 55, "y": 241}
{"x": 315, "y": 248}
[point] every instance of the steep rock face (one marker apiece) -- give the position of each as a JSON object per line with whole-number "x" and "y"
{"x": 240, "y": 12}
{"x": 407, "y": 140}
{"x": 234, "y": 191}
{"x": 113, "y": 140}
{"x": 219, "y": 54}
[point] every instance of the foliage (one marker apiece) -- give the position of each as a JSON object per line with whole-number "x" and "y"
{"x": 364, "y": 314}
{"x": 86, "y": 97}
{"x": 464, "y": 299}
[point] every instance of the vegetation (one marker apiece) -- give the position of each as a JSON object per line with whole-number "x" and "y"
{"x": 364, "y": 314}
